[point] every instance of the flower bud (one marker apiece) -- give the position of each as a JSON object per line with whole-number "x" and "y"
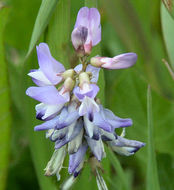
{"x": 74, "y": 145}
{"x": 84, "y": 78}
{"x": 121, "y": 61}
{"x": 55, "y": 164}
{"x": 68, "y": 84}
{"x": 68, "y": 73}
{"x": 78, "y": 37}
{"x": 96, "y": 61}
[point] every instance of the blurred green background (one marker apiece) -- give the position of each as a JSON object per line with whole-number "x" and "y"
{"x": 144, "y": 27}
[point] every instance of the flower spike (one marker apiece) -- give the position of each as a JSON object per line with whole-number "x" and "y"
{"x": 74, "y": 118}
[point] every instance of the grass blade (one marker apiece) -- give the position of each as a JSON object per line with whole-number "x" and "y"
{"x": 5, "y": 114}
{"x": 46, "y": 10}
{"x": 152, "y": 173}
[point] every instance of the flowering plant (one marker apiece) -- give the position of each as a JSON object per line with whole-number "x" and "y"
{"x": 75, "y": 120}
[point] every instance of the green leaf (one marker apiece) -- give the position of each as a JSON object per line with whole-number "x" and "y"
{"x": 152, "y": 173}
{"x": 169, "y": 4}
{"x": 168, "y": 31}
{"x": 46, "y": 10}
{"x": 5, "y": 114}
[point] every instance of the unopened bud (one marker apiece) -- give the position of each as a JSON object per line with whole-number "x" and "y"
{"x": 96, "y": 61}
{"x": 68, "y": 73}
{"x": 78, "y": 37}
{"x": 68, "y": 84}
{"x": 55, "y": 164}
{"x": 84, "y": 78}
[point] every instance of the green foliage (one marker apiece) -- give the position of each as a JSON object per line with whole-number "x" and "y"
{"x": 5, "y": 112}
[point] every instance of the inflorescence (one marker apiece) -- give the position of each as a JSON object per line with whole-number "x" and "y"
{"x": 75, "y": 120}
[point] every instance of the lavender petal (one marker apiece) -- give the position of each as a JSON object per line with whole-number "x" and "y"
{"x": 48, "y": 65}
{"x": 51, "y": 124}
{"x": 67, "y": 117}
{"x": 122, "y": 61}
{"x": 46, "y": 94}
{"x": 91, "y": 93}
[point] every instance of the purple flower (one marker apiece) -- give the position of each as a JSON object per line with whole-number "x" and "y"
{"x": 97, "y": 148}
{"x": 71, "y": 132}
{"x": 46, "y": 112}
{"x": 91, "y": 129}
{"x": 106, "y": 120}
{"x": 124, "y": 146}
{"x": 77, "y": 159}
{"x": 88, "y": 107}
{"x": 49, "y": 68}
{"x": 74, "y": 144}
{"x": 122, "y": 61}
{"x": 86, "y": 93}
{"x": 88, "y": 20}
{"x": 89, "y": 90}
{"x": 67, "y": 116}
{"x": 52, "y": 100}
